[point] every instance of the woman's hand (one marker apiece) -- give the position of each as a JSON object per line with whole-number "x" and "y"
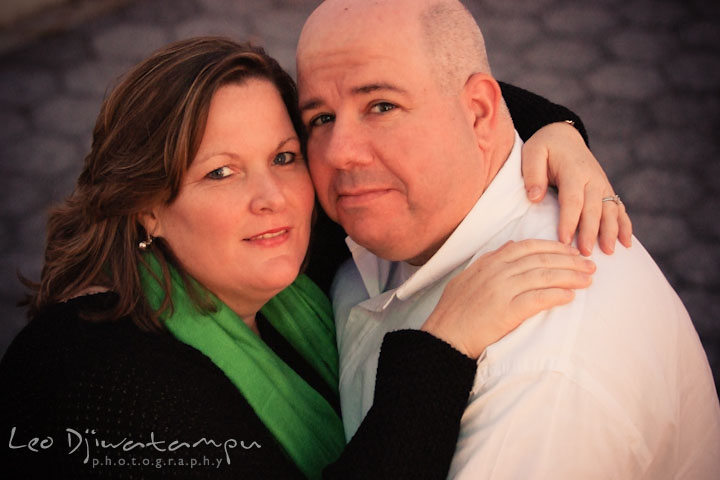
{"x": 503, "y": 288}
{"x": 557, "y": 154}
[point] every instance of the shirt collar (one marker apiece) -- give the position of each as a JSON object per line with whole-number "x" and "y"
{"x": 503, "y": 201}
{"x": 374, "y": 271}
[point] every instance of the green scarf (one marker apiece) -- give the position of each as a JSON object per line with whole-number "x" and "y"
{"x": 296, "y": 414}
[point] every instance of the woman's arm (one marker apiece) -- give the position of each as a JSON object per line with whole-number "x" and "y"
{"x": 421, "y": 391}
{"x": 556, "y": 152}
{"x": 531, "y": 112}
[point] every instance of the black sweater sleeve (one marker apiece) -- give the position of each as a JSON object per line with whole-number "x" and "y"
{"x": 421, "y": 391}
{"x": 531, "y": 112}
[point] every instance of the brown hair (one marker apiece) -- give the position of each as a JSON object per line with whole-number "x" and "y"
{"x": 146, "y": 136}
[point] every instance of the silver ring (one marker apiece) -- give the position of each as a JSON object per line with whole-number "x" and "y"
{"x": 614, "y": 198}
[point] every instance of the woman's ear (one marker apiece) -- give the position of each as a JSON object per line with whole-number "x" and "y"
{"x": 150, "y": 220}
{"x": 483, "y": 99}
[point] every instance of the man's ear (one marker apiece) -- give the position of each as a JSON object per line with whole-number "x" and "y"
{"x": 150, "y": 220}
{"x": 483, "y": 99}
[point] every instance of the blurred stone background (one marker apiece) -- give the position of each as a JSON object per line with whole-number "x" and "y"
{"x": 643, "y": 74}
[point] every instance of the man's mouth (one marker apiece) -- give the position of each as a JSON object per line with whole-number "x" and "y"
{"x": 359, "y": 198}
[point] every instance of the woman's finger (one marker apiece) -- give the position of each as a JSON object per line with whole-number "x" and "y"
{"x": 500, "y": 261}
{"x": 570, "y": 197}
{"x": 512, "y": 251}
{"x": 625, "y": 227}
{"x": 609, "y": 226}
{"x": 535, "y": 301}
{"x": 551, "y": 261}
{"x": 590, "y": 218}
{"x": 534, "y": 171}
{"x": 542, "y": 278}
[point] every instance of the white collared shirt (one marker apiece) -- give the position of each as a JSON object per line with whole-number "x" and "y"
{"x": 614, "y": 385}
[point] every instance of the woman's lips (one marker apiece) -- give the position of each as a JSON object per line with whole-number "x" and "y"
{"x": 270, "y": 238}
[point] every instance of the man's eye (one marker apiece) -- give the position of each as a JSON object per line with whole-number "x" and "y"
{"x": 382, "y": 107}
{"x": 321, "y": 120}
{"x": 219, "y": 173}
{"x": 284, "y": 158}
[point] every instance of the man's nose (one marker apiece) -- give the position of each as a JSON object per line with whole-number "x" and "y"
{"x": 348, "y": 145}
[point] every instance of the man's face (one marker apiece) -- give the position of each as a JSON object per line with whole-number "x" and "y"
{"x": 393, "y": 157}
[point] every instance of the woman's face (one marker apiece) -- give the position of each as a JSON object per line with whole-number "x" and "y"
{"x": 241, "y": 222}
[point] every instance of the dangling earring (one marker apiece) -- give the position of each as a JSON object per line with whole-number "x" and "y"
{"x": 145, "y": 244}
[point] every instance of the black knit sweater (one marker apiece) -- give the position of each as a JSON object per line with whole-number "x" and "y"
{"x": 74, "y": 381}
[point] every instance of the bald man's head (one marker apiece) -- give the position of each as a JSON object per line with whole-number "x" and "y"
{"x": 454, "y": 43}
{"x": 445, "y": 30}
{"x": 406, "y": 127}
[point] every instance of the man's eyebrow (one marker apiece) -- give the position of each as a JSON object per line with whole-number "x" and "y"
{"x": 316, "y": 102}
{"x": 373, "y": 87}
{"x": 310, "y": 104}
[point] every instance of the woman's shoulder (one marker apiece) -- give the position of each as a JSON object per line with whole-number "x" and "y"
{"x": 121, "y": 383}
{"x": 60, "y": 333}
{"x": 61, "y": 337}
{"x": 61, "y": 355}
{"x": 47, "y": 338}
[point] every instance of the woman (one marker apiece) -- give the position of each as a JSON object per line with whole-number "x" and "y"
{"x": 171, "y": 335}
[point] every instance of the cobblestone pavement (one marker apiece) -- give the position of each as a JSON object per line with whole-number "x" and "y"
{"x": 643, "y": 74}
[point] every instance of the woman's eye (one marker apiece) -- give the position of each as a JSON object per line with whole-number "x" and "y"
{"x": 382, "y": 107}
{"x": 219, "y": 173}
{"x": 321, "y": 120}
{"x": 284, "y": 158}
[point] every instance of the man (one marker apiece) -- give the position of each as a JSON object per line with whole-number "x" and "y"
{"x": 413, "y": 152}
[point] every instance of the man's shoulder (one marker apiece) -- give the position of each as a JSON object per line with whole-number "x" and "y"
{"x": 629, "y": 272}
{"x": 622, "y": 338}
{"x": 630, "y": 284}
{"x": 630, "y": 307}
{"x": 623, "y": 352}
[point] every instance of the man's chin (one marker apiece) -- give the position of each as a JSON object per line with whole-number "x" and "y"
{"x": 383, "y": 247}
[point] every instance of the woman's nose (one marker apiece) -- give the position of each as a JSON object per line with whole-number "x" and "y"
{"x": 268, "y": 195}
